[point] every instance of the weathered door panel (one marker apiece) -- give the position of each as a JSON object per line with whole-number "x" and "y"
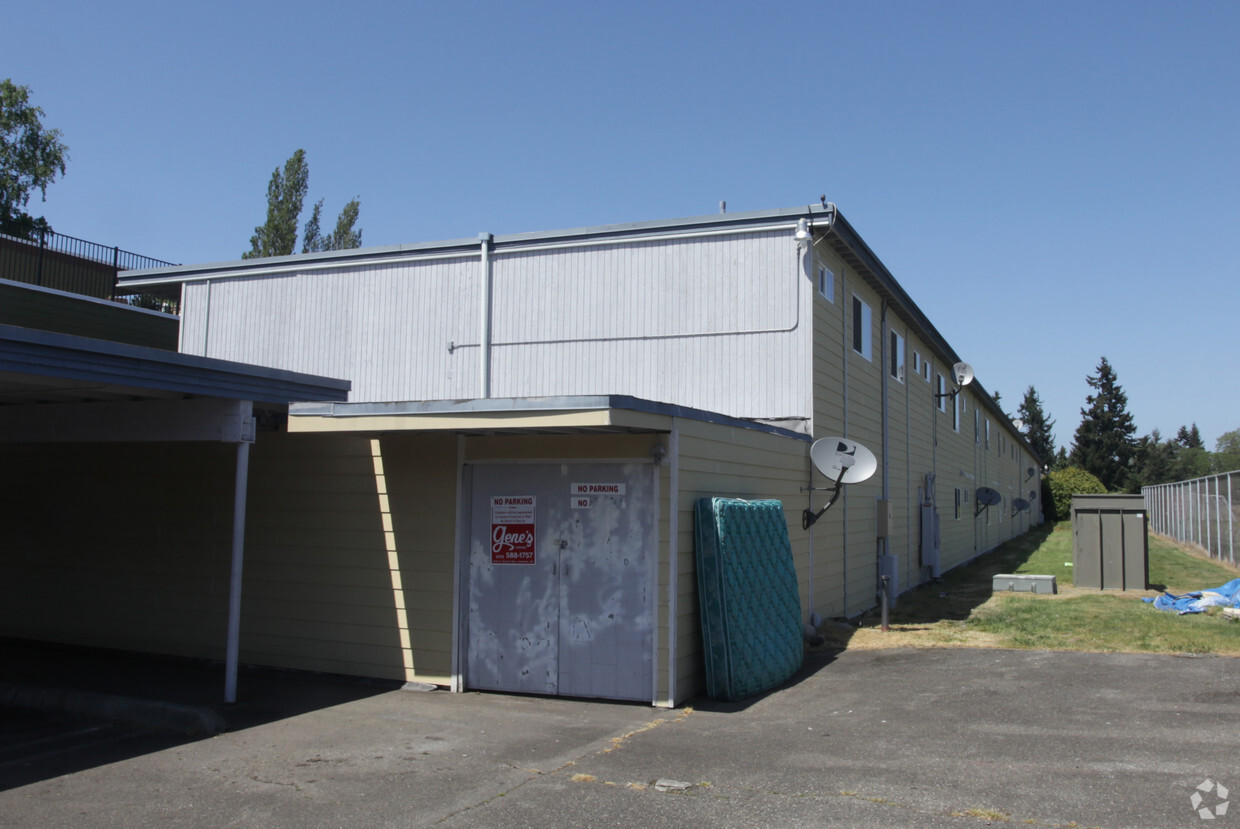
{"x": 577, "y": 620}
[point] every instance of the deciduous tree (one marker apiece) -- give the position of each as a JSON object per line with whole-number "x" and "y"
{"x": 286, "y": 195}
{"x": 31, "y": 157}
{"x": 1227, "y": 452}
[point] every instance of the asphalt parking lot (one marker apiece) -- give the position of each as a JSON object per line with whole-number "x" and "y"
{"x": 907, "y": 737}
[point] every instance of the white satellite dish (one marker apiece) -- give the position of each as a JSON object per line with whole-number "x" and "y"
{"x": 963, "y": 373}
{"x": 988, "y": 496}
{"x": 843, "y": 461}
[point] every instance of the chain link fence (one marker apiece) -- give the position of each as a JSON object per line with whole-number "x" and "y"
{"x": 1203, "y": 512}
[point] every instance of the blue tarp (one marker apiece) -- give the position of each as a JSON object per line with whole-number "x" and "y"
{"x": 1226, "y": 596}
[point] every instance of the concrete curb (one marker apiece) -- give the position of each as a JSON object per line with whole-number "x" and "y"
{"x": 186, "y": 719}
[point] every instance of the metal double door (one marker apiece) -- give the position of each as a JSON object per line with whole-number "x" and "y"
{"x": 561, "y": 581}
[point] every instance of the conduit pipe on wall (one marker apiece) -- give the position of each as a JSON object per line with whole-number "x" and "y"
{"x": 484, "y": 275}
{"x": 885, "y": 373}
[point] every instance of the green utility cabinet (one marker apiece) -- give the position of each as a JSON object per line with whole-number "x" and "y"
{"x": 1110, "y": 542}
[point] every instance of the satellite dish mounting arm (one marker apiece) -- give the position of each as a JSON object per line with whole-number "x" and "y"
{"x": 808, "y": 517}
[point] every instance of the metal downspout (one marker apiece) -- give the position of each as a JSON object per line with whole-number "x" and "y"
{"x": 484, "y": 367}
{"x": 845, "y": 304}
{"x": 886, "y": 375}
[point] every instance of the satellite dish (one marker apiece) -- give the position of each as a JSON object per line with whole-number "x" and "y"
{"x": 1033, "y": 495}
{"x": 843, "y": 461}
{"x": 1029, "y": 473}
{"x": 963, "y": 372}
{"x": 1020, "y": 505}
{"x": 988, "y": 496}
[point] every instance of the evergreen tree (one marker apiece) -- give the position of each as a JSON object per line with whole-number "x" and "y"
{"x": 1151, "y": 462}
{"x": 1189, "y": 456}
{"x": 1104, "y": 444}
{"x": 286, "y": 194}
{"x": 1190, "y": 438}
{"x": 31, "y": 158}
{"x": 1037, "y": 426}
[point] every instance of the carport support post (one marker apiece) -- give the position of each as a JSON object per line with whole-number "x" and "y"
{"x": 234, "y": 589}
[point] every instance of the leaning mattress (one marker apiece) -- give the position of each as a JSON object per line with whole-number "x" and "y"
{"x": 747, "y": 589}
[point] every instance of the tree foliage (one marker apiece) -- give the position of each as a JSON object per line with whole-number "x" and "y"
{"x": 1069, "y": 481}
{"x": 1037, "y": 426}
{"x": 1227, "y": 452}
{"x": 286, "y": 195}
{"x": 1104, "y": 444}
{"x": 31, "y": 157}
{"x": 342, "y": 237}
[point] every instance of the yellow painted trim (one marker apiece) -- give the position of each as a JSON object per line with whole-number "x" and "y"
{"x": 583, "y": 419}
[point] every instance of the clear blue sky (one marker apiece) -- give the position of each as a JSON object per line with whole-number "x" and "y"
{"x": 1051, "y": 182}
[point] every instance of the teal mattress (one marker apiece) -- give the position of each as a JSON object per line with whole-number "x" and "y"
{"x": 747, "y": 590}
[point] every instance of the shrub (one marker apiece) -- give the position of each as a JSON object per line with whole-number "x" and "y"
{"x": 1072, "y": 480}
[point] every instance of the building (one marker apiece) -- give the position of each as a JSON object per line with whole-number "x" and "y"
{"x": 505, "y": 499}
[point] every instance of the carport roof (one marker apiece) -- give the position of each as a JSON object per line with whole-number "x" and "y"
{"x": 47, "y": 367}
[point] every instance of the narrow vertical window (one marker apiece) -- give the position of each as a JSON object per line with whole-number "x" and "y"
{"x": 826, "y": 283}
{"x": 862, "y": 340}
{"x": 897, "y": 356}
{"x": 940, "y": 392}
{"x": 957, "y": 503}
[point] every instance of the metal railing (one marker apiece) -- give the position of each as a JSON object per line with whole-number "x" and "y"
{"x": 1203, "y": 512}
{"x": 66, "y": 263}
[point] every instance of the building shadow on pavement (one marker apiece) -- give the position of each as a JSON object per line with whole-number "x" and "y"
{"x": 65, "y": 708}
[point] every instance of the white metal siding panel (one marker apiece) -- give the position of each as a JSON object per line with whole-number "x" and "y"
{"x": 385, "y": 327}
{"x": 718, "y": 323}
{"x": 712, "y": 323}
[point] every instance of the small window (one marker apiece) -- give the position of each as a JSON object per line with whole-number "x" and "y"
{"x": 861, "y": 329}
{"x": 925, "y": 371}
{"x": 897, "y": 356}
{"x": 916, "y": 361}
{"x": 957, "y": 503}
{"x": 940, "y": 392}
{"x": 826, "y": 283}
{"x": 987, "y": 433}
{"x": 956, "y": 414}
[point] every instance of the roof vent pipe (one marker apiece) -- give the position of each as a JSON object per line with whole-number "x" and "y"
{"x": 484, "y": 277}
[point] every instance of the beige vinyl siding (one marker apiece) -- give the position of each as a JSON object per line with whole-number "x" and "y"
{"x": 733, "y": 462}
{"x": 117, "y": 545}
{"x": 864, "y": 418}
{"x": 957, "y": 468}
{"x": 338, "y": 580}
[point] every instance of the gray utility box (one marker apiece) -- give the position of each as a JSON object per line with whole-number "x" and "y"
{"x": 1023, "y": 583}
{"x": 1110, "y": 542}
